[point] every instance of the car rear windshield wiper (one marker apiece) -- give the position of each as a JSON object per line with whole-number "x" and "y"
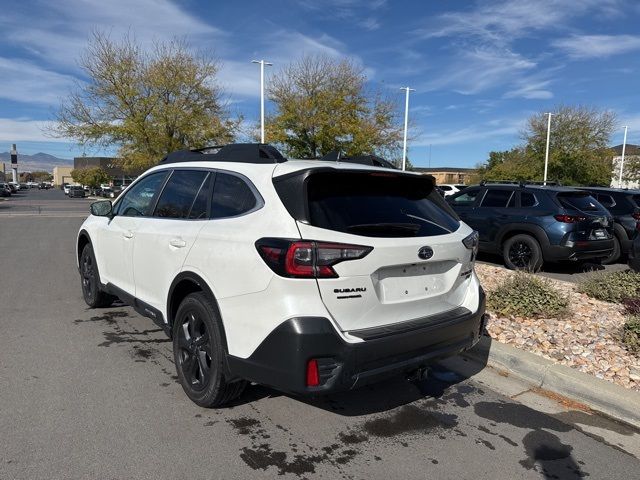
{"x": 385, "y": 228}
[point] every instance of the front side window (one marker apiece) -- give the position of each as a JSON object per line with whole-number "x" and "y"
{"x": 231, "y": 196}
{"x": 497, "y": 198}
{"x": 138, "y": 200}
{"x": 467, "y": 198}
{"x": 180, "y": 193}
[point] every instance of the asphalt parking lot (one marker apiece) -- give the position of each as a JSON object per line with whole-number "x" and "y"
{"x": 93, "y": 394}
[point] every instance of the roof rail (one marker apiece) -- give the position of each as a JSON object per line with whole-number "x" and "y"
{"x": 367, "y": 159}
{"x": 522, "y": 183}
{"x": 233, "y": 152}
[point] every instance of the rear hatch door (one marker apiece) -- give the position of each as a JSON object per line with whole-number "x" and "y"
{"x": 594, "y": 221}
{"x": 418, "y": 266}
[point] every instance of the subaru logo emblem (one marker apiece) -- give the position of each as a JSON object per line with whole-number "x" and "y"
{"x": 425, "y": 253}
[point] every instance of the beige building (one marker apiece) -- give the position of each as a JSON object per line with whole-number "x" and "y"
{"x": 62, "y": 175}
{"x": 448, "y": 174}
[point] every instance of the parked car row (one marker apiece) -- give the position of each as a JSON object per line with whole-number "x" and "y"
{"x": 529, "y": 225}
{"x": 9, "y": 188}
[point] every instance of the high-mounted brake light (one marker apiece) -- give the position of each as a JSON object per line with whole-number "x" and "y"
{"x": 305, "y": 258}
{"x": 569, "y": 218}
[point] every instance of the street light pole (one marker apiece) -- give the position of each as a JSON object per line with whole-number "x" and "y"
{"x": 624, "y": 144}
{"x": 262, "y": 64}
{"x": 406, "y": 124}
{"x": 546, "y": 154}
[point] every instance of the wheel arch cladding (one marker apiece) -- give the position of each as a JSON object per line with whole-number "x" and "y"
{"x": 184, "y": 284}
{"x": 83, "y": 240}
{"x": 511, "y": 231}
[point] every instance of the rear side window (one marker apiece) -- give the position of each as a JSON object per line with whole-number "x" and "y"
{"x": 231, "y": 196}
{"x": 636, "y": 200}
{"x": 578, "y": 201}
{"x": 377, "y": 205}
{"x": 607, "y": 201}
{"x": 496, "y": 198}
{"x": 179, "y": 193}
{"x": 527, "y": 199}
{"x": 138, "y": 200}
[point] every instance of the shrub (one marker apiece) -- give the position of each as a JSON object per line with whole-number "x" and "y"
{"x": 526, "y": 295}
{"x": 611, "y": 286}
{"x": 631, "y": 333}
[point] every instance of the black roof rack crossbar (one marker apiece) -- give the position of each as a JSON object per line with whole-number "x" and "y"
{"x": 522, "y": 183}
{"x": 233, "y": 152}
{"x": 367, "y": 159}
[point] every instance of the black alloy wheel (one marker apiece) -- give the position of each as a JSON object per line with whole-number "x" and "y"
{"x": 195, "y": 354}
{"x": 522, "y": 252}
{"x": 90, "y": 279}
{"x": 199, "y": 353}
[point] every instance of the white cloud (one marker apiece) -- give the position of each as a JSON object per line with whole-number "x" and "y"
{"x": 597, "y": 46}
{"x": 503, "y": 21}
{"x": 24, "y": 82}
{"x": 24, "y": 129}
{"x": 501, "y": 128}
{"x": 60, "y": 30}
{"x": 348, "y": 10}
{"x": 480, "y": 69}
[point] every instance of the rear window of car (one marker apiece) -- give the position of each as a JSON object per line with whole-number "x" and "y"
{"x": 636, "y": 200}
{"x": 579, "y": 201}
{"x": 378, "y": 205}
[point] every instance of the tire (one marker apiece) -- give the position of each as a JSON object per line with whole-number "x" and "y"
{"x": 90, "y": 280}
{"x": 198, "y": 352}
{"x": 615, "y": 254}
{"x": 522, "y": 252}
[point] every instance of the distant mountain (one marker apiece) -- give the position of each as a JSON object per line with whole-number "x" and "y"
{"x": 37, "y": 161}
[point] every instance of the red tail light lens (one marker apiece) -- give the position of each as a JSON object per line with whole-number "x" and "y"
{"x": 570, "y": 218}
{"x": 636, "y": 216}
{"x": 313, "y": 375}
{"x": 307, "y": 259}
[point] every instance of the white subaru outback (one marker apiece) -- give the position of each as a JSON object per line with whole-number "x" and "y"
{"x": 306, "y": 276}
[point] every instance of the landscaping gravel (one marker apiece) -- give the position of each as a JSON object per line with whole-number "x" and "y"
{"x": 588, "y": 339}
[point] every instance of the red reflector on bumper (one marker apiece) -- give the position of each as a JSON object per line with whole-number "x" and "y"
{"x": 313, "y": 376}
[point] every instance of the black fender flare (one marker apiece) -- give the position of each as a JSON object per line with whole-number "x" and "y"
{"x": 204, "y": 287}
{"x": 82, "y": 233}
{"x": 534, "y": 230}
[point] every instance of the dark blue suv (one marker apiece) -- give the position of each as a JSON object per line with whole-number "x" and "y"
{"x": 532, "y": 224}
{"x": 624, "y": 206}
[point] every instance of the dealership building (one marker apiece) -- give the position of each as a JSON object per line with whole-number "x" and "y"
{"x": 109, "y": 165}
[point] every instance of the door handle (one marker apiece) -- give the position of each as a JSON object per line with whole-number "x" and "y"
{"x": 177, "y": 242}
{"x": 127, "y": 234}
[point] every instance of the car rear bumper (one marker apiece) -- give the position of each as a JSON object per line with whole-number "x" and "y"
{"x": 281, "y": 359}
{"x": 581, "y": 250}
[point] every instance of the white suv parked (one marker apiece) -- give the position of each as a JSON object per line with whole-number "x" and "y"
{"x": 307, "y": 276}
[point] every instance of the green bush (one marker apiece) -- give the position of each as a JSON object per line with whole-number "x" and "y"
{"x": 612, "y": 287}
{"x": 525, "y": 295}
{"x": 631, "y": 333}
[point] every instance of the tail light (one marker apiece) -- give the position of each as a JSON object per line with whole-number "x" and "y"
{"x": 313, "y": 375}
{"x": 305, "y": 258}
{"x": 472, "y": 242}
{"x": 569, "y": 218}
{"x": 636, "y": 216}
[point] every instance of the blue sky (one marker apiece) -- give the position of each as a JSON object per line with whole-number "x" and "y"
{"x": 479, "y": 68}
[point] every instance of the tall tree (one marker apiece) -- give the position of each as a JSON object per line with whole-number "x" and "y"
{"x": 322, "y": 104}
{"x": 578, "y": 151}
{"x": 93, "y": 176}
{"x": 146, "y": 103}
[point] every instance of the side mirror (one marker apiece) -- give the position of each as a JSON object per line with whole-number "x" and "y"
{"x": 102, "y": 208}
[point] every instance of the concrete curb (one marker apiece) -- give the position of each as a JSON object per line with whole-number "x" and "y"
{"x": 614, "y": 401}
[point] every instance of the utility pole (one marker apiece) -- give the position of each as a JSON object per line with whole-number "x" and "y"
{"x": 262, "y": 64}
{"x": 406, "y": 125}
{"x": 624, "y": 144}
{"x": 546, "y": 155}
{"x": 14, "y": 163}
